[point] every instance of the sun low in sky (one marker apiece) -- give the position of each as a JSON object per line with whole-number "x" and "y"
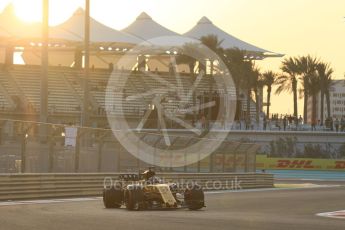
{"x": 116, "y": 13}
{"x": 292, "y": 27}
{"x": 31, "y": 10}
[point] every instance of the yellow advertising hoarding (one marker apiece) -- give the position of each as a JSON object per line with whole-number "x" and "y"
{"x": 264, "y": 162}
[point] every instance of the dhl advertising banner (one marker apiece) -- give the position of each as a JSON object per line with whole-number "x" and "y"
{"x": 229, "y": 162}
{"x": 264, "y": 162}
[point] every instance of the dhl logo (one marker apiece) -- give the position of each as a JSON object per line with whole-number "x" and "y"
{"x": 295, "y": 163}
{"x": 303, "y": 164}
{"x": 228, "y": 160}
{"x": 339, "y": 165}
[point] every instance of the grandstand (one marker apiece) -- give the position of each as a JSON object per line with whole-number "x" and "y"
{"x": 20, "y": 83}
{"x": 21, "y": 99}
{"x": 20, "y": 95}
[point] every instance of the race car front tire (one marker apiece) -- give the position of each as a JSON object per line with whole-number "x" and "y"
{"x": 112, "y": 198}
{"x": 194, "y": 198}
{"x": 134, "y": 199}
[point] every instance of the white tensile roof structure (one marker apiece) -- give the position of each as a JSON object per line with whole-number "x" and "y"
{"x": 205, "y": 27}
{"x": 143, "y": 31}
{"x": 146, "y": 28}
{"x": 73, "y": 30}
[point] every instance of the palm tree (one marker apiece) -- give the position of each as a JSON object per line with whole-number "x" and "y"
{"x": 214, "y": 44}
{"x": 235, "y": 62}
{"x": 189, "y": 55}
{"x": 288, "y": 81}
{"x": 324, "y": 72}
{"x": 313, "y": 86}
{"x": 257, "y": 84}
{"x": 328, "y": 99}
{"x": 185, "y": 57}
{"x": 248, "y": 87}
{"x": 251, "y": 73}
{"x": 269, "y": 78}
{"x": 306, "y": 69}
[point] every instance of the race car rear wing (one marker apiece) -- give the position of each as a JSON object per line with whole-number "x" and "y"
{"x": 130, "y": 177}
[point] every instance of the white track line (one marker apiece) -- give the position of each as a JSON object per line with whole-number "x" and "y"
{"x": 48, "y": 201}
{"x": 270, "y": 189}
{"x": 336, "y": 214}
{"x": 66, "y": 200}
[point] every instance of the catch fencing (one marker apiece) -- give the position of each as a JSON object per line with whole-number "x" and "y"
{"x": 38, "y": 186}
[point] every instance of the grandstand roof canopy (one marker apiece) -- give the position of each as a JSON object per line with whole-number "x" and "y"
{"x": 73, "y": 30}
{"x": 147, "y": 29}
{"x": 144, "y": 30}
{"x": 205, "y": 27}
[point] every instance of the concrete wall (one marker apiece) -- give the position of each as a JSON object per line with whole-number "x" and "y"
{"x": 302, "y": 138}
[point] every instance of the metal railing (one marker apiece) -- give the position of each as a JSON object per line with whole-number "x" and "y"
{"x": 23, "y": 150}
{"x": 38, "y": 186}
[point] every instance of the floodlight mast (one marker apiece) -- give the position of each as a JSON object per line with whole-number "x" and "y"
{"x": 44, "y": 70}
{"x": 86, "y": 105}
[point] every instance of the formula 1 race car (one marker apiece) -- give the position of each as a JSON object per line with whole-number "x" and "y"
{"x": 146, "y": 191}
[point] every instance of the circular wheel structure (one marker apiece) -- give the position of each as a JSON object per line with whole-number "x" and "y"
{"x": 173, "y": 107}
{"x": 194, "y": 198}
{"x": 112, "y": 198}
{"x": 134, "y": 199}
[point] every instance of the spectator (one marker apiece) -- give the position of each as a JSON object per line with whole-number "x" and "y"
{"x": 300, "y": 120}
{"x": 290, "y": 119}
{"x": 313, "y": 124}
{"x": 277, "y": 124}
{"x": 111, "y": 67}
{"x": 247, "y": 123}
{"x": 203, "y": 121}
{"x": 296, "y": 121}
{"x": 336, "y": 124}
{"x": 172, "y": 69}
{"x": 342, "y": 123}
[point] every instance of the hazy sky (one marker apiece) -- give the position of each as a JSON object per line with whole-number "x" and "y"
{"x": 292, "y": 27}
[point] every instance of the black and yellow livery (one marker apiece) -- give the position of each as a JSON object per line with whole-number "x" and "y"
{"x": 146, "y": 191}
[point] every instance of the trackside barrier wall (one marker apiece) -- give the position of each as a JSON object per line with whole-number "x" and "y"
{"x": 36, "y": 186}
{"x": 264, "y": 162}
{"x": 93, "y": 153}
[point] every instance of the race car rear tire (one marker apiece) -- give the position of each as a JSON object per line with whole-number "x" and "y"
{"x": 112, "y": 198}
{"x": 134, "y": 199}
{"x": 194, "y": 198}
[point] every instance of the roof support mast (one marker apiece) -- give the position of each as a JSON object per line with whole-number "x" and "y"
{"x": 44, "y": 70}
{"x": 86, "y": 109}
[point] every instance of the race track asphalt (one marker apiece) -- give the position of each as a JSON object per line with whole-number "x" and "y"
{"x": 277, "y": 210}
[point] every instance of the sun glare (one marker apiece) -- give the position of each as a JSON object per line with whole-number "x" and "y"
{"x": 31, "y": 10}
{"x": 60, "y": 10}
{"x": 28, "y": 10}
